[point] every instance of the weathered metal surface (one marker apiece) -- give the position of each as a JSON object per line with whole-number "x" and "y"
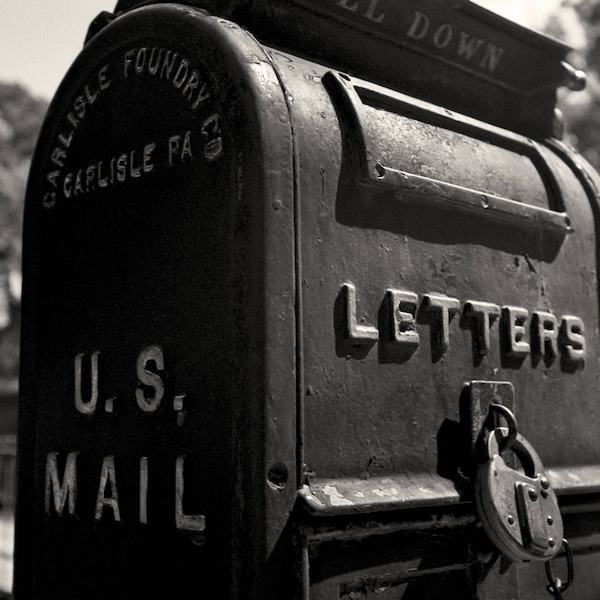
{"x": 423, "y": 297}
{"x": 267, "y": 305}
{"x": 456, "y": 54}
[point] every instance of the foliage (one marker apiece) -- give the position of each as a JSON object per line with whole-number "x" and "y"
{"x": 21, "y": 117}
{"x": 582, "y": 109}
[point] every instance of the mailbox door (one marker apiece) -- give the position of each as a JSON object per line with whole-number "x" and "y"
{"x": 445, "y": 264}
{"x": 157, "y": 415}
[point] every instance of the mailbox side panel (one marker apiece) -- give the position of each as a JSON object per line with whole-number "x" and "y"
{"x": 444, "y": 264}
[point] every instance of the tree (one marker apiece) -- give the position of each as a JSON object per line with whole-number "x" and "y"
{"x": 21, "y": 117}
{"x": 582, "y": 109}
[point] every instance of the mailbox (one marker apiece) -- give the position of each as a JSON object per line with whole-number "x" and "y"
{"x": 274, "y": 282}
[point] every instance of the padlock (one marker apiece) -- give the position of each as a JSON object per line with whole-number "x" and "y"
{"x": 518, "y": 509}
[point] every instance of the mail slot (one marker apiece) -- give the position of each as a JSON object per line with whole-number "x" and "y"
{"x": 271, "y": 294}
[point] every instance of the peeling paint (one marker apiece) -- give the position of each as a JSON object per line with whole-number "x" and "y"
{"x": 335, "y": 497}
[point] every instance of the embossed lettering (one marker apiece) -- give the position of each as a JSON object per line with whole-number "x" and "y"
{"x": 57, "y": 493}
{"x": 356, "y": 333}
{"x": 170, "y": 66}
{"x": 211, "y": 132}
{"x": 104, "y": 80}
{"x": 78, "y": 183}
{"x": 403, "y": 307}
{"x": 484, "y": 54}
{"x": 492, "y": 57}
{"x": 484, "y": 314}
{"x": 52, "y": 177}
{"x": 150, "y": 363}
{"x": 108, "y": 478}
{"x": 371, "y": 13}
{"x": 443, "y": 35}
{"x": 344, "y": 4}
{"x": 183, "y": 521}
{"x": 468, "y": 45}
{"x": 60, "y": 495}
{"x": 154, "y": 62}
{"x": 58, "y": 157}
{"x": 140, "y": 59}
{"x": 121, "y": 168}
{"x": 100, "y": 175}
{"x": 167, "y": 67}
{"x": 572, "y": 340}
{"x": 546, "y": 340}
{"x": 180, "y": 147}
{"x": 514, "y": 331}
{"x": 66, "y": 140}
{"x": 86, "y": 407}
{"x": 182, "y": 73}
{"x": 103, "y": 178}
{"x": 148, "y": 165}
{"x": 134, "y": 171}
{"x": 443, "y": 308}
{"x": 419, "y": 26}
{"x": 544, "y": 335}
{"x": 49, "y": 200}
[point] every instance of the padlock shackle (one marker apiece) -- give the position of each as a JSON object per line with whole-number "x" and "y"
{"x": 523, "y": 450}
{"x": 496, "y": 410}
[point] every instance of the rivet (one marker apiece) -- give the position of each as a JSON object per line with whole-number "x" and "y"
{"x": 277, "y": 204}
{"x": 551, "y": 542}
{"x": 511, "y": 520}
{"x": 533, "y": 495}
{"x": 550, "y": 520}
{"x": 278, "y": 476}
{"x": 545, "y": 483}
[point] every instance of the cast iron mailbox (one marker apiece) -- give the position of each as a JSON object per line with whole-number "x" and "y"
{"x": 271, "y": 289}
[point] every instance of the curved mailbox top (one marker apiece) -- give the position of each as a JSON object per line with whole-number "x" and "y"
{"x": 159, "y": 209}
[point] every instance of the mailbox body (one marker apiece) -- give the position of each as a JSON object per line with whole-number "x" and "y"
{"x": 266, "y": 306}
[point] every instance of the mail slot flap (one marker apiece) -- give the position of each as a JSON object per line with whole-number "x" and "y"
{"x": 433, "y": 155}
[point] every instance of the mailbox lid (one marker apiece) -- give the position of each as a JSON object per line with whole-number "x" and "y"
{"x": 157, "y": 415}
{"x": 453, "y": 53}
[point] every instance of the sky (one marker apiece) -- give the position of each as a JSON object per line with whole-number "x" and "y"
{"x": 39, "y": 39}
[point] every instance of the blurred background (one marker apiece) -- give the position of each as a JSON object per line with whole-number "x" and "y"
{"x": 38, "y": 42}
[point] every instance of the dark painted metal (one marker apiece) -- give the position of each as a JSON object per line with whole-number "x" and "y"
{"x": 272, "y": 289}
{"x": 405, "y": 45}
